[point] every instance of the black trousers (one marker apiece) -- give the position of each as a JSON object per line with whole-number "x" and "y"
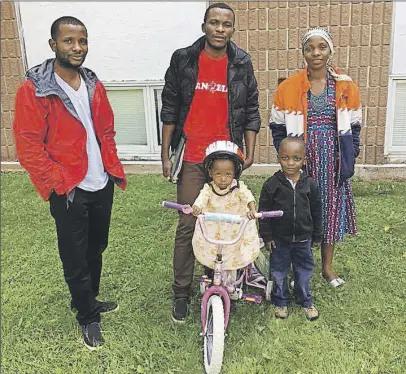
{"x": 82, "y": 228}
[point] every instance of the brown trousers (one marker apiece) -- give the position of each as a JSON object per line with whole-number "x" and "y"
{"x": 190, "y": 182}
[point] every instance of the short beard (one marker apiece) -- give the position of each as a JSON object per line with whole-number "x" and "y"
{"x": 215, "y": 47}
{"x": 63, "y": 62}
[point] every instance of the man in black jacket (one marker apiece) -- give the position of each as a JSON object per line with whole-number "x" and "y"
{"x": 290, "y": 237}
{"x": 210, "y": 94}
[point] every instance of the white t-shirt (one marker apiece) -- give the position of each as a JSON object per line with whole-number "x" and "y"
{"x": 96, "y": 178}
{"x": 291, "y": 181}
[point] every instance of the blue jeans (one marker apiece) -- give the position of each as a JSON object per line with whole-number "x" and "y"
{"x": 300, "y": 256}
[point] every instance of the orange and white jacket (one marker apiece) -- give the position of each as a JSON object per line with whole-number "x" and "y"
{"x": 289, "y": 116}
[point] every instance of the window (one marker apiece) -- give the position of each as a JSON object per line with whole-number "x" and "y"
{"x": 395, "y": 144}
{"x": 399, "y": 117}
{"x": 138, "y": 127}
{"x": 158, "y": 107}
{"x": 128, "y": 106}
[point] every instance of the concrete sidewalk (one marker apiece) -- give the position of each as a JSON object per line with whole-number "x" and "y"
{"x": 363, "y": 172}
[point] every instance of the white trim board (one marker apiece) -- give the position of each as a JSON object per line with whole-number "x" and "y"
{"x": 363, "y": 172}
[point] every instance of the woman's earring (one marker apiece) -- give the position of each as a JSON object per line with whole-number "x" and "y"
{"x": 304, "y": 64}
{"x": 330, "y": 61}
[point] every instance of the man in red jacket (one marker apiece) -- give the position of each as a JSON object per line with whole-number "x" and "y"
{"x": 64, "y": 132}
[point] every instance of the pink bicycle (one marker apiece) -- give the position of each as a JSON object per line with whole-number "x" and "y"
{"x": 215, "y": 305}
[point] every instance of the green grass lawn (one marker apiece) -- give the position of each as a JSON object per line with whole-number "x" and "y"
{"x": 361, "y": 329}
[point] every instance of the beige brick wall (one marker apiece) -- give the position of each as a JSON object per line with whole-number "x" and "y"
{"x": 271, "y": 30}
{"x": 11, "y": 76}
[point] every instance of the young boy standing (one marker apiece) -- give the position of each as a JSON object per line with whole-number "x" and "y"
{"x": 290, "y": 238}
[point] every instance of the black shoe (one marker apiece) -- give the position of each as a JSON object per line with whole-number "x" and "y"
{"x": 103, "y": 306}
{"x": 92, "y": 337}
{"x": 107, "y": 306}
{"x": 180, "y": 309}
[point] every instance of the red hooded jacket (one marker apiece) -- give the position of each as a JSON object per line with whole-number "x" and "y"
{"x": 51, "y": 139}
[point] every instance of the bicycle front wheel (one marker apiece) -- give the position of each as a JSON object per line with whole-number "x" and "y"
{"x": 214, "y": 335}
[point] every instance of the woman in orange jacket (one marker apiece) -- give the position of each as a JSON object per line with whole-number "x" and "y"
{"x": 323, "y": 107}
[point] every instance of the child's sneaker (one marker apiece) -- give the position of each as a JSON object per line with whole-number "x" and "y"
{"x": 281, "y": 312}
{"x": 254, "y": 276}
{"x": 311, "y": 313}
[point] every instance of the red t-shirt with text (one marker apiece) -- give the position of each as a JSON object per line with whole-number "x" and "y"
{"x": 207, "y": 120}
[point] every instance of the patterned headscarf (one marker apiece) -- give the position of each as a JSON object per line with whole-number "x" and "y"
{"x": 323, "y": 33}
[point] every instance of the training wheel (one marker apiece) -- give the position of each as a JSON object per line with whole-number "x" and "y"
{"x": 268, "y": 290}
{"x": 205, "y": 283}
{"x": 236, "y": 294}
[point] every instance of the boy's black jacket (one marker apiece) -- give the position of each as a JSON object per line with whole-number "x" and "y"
{"x": 302, "y": 212}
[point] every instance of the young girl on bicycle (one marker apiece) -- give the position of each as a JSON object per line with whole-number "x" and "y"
{"x": 225, "y": 193}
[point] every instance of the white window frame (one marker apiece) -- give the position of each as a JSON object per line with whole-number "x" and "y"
{"x": 394, "y": 153}
{"x": 152, "y": 150}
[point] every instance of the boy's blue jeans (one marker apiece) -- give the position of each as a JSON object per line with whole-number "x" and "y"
{"x": 300, "y": 256}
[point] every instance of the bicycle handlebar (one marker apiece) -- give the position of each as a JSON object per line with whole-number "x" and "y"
{"x": 270, "y": 214}
{"x": 186, "y": 209}
{"x": 170, "y": 204}
{"x": 221, "y": 217}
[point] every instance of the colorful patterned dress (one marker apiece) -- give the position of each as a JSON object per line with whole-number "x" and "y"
{"x": 322, "y": 165}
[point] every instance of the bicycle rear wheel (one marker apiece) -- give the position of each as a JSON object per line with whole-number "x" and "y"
{"x": 214, "y": 335}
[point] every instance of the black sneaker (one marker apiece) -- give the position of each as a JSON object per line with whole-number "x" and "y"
{"x": 92, "y": 337}
{"x": 104, "y": 306}
{"x": 180, "y": 309}
{"x": 107, "y": 306}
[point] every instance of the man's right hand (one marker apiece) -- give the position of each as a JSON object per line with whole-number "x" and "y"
{"x": 166, "y": 168}
{"x": 167, "y": 132}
